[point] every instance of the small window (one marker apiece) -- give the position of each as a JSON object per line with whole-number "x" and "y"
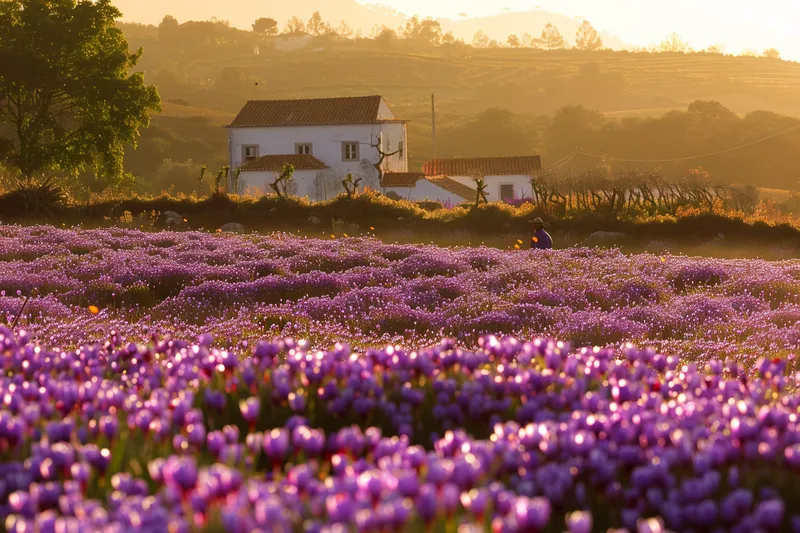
{"x": 303, "y": 149}
{"x": 506, "y": 191}
{"x": 401, "y": 148}
{"x": 250, "y": 152}
{"x": 350, "y": 151}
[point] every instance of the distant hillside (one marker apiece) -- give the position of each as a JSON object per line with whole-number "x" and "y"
{"x": 468, "y": 80}
{"x": 489, "y": 101}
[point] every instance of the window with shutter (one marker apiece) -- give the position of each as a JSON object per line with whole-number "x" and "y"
{"x": 350, "y": 151}
{"x": 249, "y": 152}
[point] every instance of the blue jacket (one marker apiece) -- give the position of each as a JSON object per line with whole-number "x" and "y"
{"x": 541, "y": 240}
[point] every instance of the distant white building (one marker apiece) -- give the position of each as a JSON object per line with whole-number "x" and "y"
{"x": 452, "y": 181}
{"x": 506, "y": 178}
{"x": 324, "y": 139}
{"x": 416, "y": 187}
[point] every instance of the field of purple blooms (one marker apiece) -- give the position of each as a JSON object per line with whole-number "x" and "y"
{"x": 511, "y": 437}
{"x": 138, "y": 392}
{"x": 245, "y": 288}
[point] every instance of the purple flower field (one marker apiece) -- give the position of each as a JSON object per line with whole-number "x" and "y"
{"x": 373, "y": 294}
{"x": 141, "y": 390}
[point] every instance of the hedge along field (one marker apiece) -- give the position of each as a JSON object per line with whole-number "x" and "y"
{"x": 766, "y": 233}
{"x": 216, "y": 429}
{"x": 88, "y": 282}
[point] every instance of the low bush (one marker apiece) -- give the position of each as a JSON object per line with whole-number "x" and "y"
{"x": 371, "y": 211}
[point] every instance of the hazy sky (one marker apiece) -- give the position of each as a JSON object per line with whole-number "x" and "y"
{"x": 739, "y": 24}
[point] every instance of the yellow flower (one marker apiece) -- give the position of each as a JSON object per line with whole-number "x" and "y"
{"x": 516, "y": 246}
{"x": 372, "y": 228}
{"x": 93, "y": 309}
{"x": 663, "y": 259}
{"x": 535, "y": 239}
{"x": 333, "y": 236}
{"x": 519, "y": 241}
{"x": 185, "y": 220}
{"x": 345, "y": 234}
{"x": 219, "y": 230}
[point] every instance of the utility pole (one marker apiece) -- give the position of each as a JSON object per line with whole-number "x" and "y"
{"x": 433, "y": 124}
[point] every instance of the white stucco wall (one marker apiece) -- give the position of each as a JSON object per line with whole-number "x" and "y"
{"x": 384, "y": 112}
{"x": 522, "y": 185}
{"x": 425, "y": 190}
{"x": 326, "y": 144}
{"x": 257, "y": 183}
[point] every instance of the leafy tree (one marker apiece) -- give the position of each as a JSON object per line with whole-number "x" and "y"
{"x": 772, "y": 53}
{"x": 168, "y": 29}
{"x": 714, "y": 49}
{"x": 316, "y": 26}
{"x": 572, "y": 126}
{"x": 65, "y": 87}
{"x": 448, "y": 38}
{"x": 674, "y": 43}
{"x": 386, "y": 37}
{"x": 428, "y": 31}
{"x": 344, "y": 30}
{"x": 552, "y": 38}
{"x": 480, "y": 40}
{"x": 265, "y": 26}
{"x": 709, "y": 111}
{"x": 294, "y": 26}
{"x": 411, "y": 27}
{"x": 493, "y": 132}
{"x": 587, "y": 38}
{"x": 529, "y": 41}
{"x": 513, "y": 41}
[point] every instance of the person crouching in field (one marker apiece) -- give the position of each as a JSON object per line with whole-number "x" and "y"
{"x": 541, "y": 240}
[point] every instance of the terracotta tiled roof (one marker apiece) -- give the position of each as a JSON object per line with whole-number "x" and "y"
{"x": 485, "y": 166}
{"x": 312, "y": 112}
{"x": 452, "y": 186}
{"x": 401, "y": 179}
{"x": 275, "y": 163}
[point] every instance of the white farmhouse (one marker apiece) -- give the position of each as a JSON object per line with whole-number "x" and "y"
{"x": 416, "y": 187}
{"x": 325, "y": 139}
{"x": 506, "y": 178}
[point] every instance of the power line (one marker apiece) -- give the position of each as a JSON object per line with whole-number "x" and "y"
{"x": 679, "y": 159}
{"x": 561, "y": 162}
